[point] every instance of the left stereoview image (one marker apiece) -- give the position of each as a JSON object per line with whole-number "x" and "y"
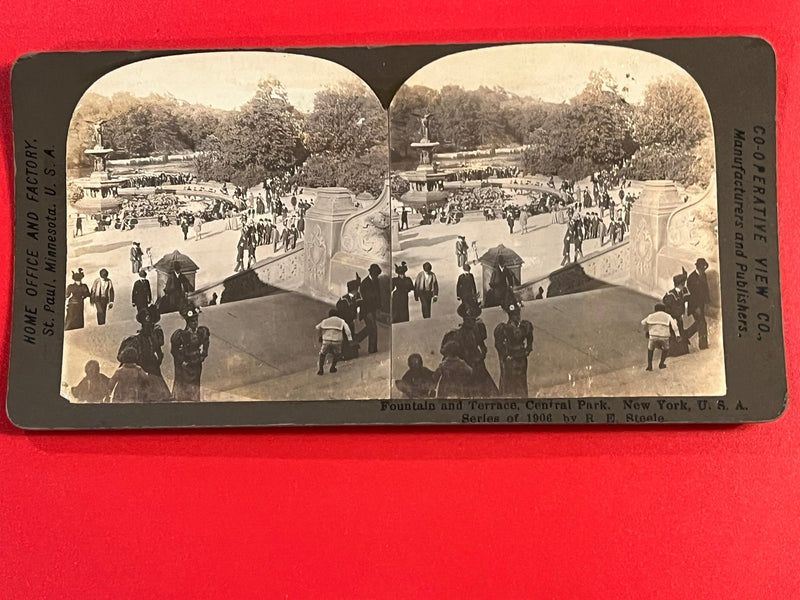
{"x": 229, "y": 233}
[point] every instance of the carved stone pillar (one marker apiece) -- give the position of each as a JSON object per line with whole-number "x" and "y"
{"x": 323, "y": 237}
{"x": 365, "y": 240}
{"x": 396, "y": 247}
{"x": 648, "y": 235}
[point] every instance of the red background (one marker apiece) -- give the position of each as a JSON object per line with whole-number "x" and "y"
{"x": 669, "y": 512}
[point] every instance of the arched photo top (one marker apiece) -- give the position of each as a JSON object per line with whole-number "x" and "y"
{"x": 225, "y": 80}
{"x": 615, "y": 105}
{"x": 198, "y": 90}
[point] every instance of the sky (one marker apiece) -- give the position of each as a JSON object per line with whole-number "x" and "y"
{"x": 551, "y": 72}
{"x": 225, "y": 80}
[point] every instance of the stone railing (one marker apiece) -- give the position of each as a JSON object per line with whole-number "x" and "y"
{"x": 607, "y": 266}
{"x": 274, "y": 274}
{"x": 343, "y": 240}
{"x": 694, "y": 225}
{"x": 668, "y": 236}
{"x": 366, "y": 233}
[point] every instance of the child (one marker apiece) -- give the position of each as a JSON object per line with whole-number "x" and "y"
{"x": 419, "y": 381}
{"x": 657, "y": 325}
{"x": 333, "y": 331}
{"x": 129, "y": 383}
{"x": 93, "y": 387}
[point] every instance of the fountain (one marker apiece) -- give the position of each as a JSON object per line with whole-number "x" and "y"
{"x": 99, "y": 185}
{"x": 426, "y": 183}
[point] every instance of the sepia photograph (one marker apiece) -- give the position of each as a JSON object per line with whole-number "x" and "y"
{"x": 229, "y": 233}
{"x": 554, "y": 228}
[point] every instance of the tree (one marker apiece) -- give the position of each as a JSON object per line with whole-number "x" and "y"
{"x": 524, "y": 116}
{"x": 210, "y": 162}
{"x": 591, "y": 132}
{"x": 455, "y": 113}
{"x": 258, "y": 141}
{"x": 490, "y": 116}
{"x": 673, "y": 114}
{"x": 346, "y": 138}
{"x": 346, "y": 120}
{"x": 405, "y": 127}
{"x": 604, "y": 122}
{"x": 672, "y": 128}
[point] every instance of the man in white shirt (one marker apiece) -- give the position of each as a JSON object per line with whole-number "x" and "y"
{"x": 102, "y": 296}
{"x": 426, "y": 289}
{"x": 658, "y": 325}
{"x": 333, "y": 331}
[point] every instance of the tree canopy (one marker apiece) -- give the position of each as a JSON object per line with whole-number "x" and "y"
{"x": 342, "y": 141}
{"x": 346, "y": 138}
{"x": 666, "y": 135}
{"x": 137, "y": 127}
{"x": 258, "y": 141}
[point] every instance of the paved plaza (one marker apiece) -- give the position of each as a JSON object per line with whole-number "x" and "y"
{"x": 541, "y": 249}
{"x": 587, "y": 344}
{"x": 214, "y": 253}
{"x": 261, "y": 349}
{"x": 253, "y": 354}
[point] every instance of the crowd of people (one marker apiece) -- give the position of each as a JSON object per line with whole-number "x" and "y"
{"x": 465, "y": 173}
{"x": 462, "y": 371}
{"x": 142, "y": 180}
{"x": 280, "y": 228}
{"x": 591, "y": 226}
{"x": 665, "y": 328}
{"x": 337, "y": 334}
{"x": 139, "y": 378}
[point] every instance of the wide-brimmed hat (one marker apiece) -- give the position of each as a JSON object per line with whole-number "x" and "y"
{"x": 190, "y": 312}
{"x": 149, "y": 314}
{"x": 701, "y": 263}
{"x": 375, "y": 269}
{"x": 469, "y": 310}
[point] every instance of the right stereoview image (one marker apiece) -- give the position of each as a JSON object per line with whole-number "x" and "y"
{"x": 554, "y": 228}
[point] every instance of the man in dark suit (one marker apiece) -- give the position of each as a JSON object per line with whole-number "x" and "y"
{"x": 466, "y": 291}
{"x": 501, "y": 285}
{"x": 176, "y": 290}
{"x": 347, "y": 306}
{"x": 141, "y": 295}
{"x": 697, "y": 284}
{"x": 675, "y": 300}
{"x": 426, "y": 289}
{"x": 370, "y": 303}
{"x": 136, "y": 257}
{"x": 675, "y": 304}
{"x": 461, "y": 250}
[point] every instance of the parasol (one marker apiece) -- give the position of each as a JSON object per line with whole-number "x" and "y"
{"x": 510, "y": 258}
{"x": 185, "y": 264}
